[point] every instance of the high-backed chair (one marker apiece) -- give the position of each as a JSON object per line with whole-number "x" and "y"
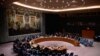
{"x": 71, "y": 54}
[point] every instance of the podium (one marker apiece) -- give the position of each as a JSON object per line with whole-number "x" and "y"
{"x": 88, "y": 34}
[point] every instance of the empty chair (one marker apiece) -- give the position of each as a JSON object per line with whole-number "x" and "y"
{"x": 58, "y": 54}
{"x": 71, "y": 54}
{"x": 67, "y": 54}
{"x": 75, "y": 55}
{"x": 2, "y": 54}
{"x": 91, "y": 43}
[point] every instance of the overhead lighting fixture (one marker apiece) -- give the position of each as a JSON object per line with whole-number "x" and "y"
{"x": 56, "y": 10}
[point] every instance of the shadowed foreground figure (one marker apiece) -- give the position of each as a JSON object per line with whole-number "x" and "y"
{"x": 2, "y": 55}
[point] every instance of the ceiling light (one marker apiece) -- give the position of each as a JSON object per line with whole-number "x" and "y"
{"x": 57, "y": 10}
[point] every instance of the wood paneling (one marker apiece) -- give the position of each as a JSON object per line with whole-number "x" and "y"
{"x": 88, "y": 34}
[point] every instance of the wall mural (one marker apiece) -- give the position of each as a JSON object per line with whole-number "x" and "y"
{"x": 23, "y": 21}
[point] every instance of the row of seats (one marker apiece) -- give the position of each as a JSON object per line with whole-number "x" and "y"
{"x": 82, "y": 40}
{"x": 86, "y": 42}
{"x": 23, "y": 48}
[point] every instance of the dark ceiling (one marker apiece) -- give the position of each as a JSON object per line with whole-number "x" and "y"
{"x": 53, "y": 4}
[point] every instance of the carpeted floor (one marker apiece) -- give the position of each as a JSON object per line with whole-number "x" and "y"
{"x": 6, "y": 49}
{"x": 80, "y": 51}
